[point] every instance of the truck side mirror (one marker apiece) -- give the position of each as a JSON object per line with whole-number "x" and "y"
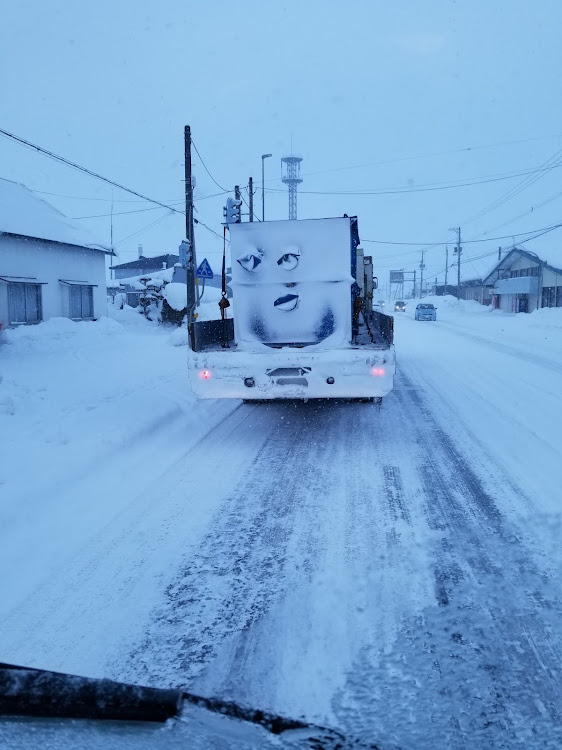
{"x": 375, "y": 282}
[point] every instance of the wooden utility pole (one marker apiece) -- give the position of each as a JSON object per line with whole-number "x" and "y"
{"x": 251, "y": 194}
{"x": 446, "y": 266}
{"x": 192, "y": 296}
{"x": 459, "y": 251}
{"x": 422, "y": 266}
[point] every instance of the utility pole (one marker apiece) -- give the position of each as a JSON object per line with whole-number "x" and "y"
{"x": 251, "y": 195}
{"x": 263, "y": 158}
{"x": 414, "y": 283}
{"x": 192, "y": 296}
{"x": 446, "y": 265}
{"x": 111, "y": 243}
{"x": 422, "y": 266}
{"x": 458, "y": 251}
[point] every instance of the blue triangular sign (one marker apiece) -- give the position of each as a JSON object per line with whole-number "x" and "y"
{"x": 204, "y": 271}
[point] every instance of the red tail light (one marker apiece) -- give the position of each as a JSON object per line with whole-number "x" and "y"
{"x": 205, "y": 374}
{"x": 378, "y": 372}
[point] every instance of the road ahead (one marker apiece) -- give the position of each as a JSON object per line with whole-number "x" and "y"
{"x": 394, "y": 573}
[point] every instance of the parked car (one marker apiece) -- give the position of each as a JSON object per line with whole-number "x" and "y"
{"x": 399, "y": 306}
{"x": 425, "y": 311}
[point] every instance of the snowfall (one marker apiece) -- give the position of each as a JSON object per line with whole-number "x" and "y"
{"x": 394, "y": 574}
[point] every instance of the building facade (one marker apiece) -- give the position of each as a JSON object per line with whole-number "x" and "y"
{"x": 48, "y": 268}
{"x": 522, "y": 282}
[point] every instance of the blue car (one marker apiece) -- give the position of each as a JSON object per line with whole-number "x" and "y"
{"x": 425, "y": 311}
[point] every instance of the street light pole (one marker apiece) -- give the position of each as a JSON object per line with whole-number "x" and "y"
{"x": 263, "y": 158}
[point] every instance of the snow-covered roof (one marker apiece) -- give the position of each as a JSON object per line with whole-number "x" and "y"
{"x": 518, "y": 252}
{"x": 146, "y": 261}
{"x": 24, "y": 214}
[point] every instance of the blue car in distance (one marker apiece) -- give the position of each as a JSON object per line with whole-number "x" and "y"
{"x": 425, "y": 311}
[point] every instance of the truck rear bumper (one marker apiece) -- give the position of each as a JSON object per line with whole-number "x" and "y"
{"x": 290, "y": 374}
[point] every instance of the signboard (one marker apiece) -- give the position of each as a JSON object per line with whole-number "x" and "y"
{"x": 204, "y": 270}
{"x": 397, "y": 277}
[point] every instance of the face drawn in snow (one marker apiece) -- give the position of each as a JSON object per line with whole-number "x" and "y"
{"x": 290, "y": 258}
{"x": 286, "y": 303}
{"x": 251, "y": 261}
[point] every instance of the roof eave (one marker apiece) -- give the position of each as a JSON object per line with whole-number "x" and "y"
{"x": 98, "y": 248}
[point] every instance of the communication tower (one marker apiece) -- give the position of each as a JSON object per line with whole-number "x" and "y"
{"x": 290, "y": 175}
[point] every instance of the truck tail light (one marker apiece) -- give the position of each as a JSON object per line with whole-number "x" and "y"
{"x": 205, "y": 374}
{"x": 378, "y": 372}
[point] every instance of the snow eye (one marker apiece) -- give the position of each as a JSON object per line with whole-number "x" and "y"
{"x": 287, "y": 303}
{"x": 250, "y": 261}
{"x": 289, "y": 261}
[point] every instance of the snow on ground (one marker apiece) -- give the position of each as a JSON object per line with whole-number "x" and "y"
{"x": 395, "y": 573}
{"x": 87, "y": 412}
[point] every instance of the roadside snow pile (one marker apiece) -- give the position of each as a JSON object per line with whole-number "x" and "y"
{"x": 176, "y": 296}
{"x": 70, "y": 392}
{"x": 179, "y": 337}
{"x": 538, "y": 333}
{"x": 547, "y": 317}
{"x": 87, "y": 411}
{"x": 449, "y": 305}
{"x": 59, "y": 333}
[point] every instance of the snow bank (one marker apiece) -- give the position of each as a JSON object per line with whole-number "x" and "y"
{"x": 448, "y": 304}
{"x": 81, "y": 405}
{"x": 176, "y": 296}
{"x": 60, "y": 333}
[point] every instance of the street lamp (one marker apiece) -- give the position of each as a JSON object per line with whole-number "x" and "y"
{"x": 263, "y": 158}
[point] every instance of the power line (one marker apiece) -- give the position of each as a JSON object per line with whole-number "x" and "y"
{"x": 97, "y": 176}
{"x": 507, "y": 249}
{"x": 423, "y": 188}
{"x": 85, "y": 170}
{"x": 426, "y": 156}
{"x": 206, "y": 170}
{"x": 142, "y": 229}
{"x": 119, "y": 213}
{"x": 533, "y": 177}
{"x": 465, "y": 242}
{"x": 198, "y": 221}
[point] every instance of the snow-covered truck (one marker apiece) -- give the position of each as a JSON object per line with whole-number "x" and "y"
{"x": 303, "y": 324}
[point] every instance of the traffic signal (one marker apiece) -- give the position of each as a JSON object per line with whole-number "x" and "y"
{"x": 233, "y": 211}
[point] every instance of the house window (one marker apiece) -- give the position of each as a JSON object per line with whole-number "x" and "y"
{"x": 24, "y": 303}
{"x": 81, "y": 302}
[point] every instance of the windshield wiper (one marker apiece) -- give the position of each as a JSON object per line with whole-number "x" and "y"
{"x": 44, "y": 694}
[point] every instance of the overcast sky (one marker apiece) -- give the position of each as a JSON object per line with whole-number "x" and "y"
{"x": 375, "y": 96}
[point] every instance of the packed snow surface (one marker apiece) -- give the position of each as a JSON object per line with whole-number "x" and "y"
{"x": 395, "y": 574}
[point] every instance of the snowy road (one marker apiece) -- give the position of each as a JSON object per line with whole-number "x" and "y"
{"x": 395, "y": 573}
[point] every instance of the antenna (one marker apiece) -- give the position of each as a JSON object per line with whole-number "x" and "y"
{"x": 290, "y": 169}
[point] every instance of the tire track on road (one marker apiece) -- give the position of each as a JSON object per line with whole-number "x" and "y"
{"x": 482, "y": 667}
{"x": 242, "y": 567}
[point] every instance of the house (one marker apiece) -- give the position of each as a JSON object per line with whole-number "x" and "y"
{"x": 522, "y": 282}
{"x": 48, "y": 266}
{"x": 144, "y": 266}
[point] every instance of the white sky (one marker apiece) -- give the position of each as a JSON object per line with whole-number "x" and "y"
{"x": 110, "y": 85}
